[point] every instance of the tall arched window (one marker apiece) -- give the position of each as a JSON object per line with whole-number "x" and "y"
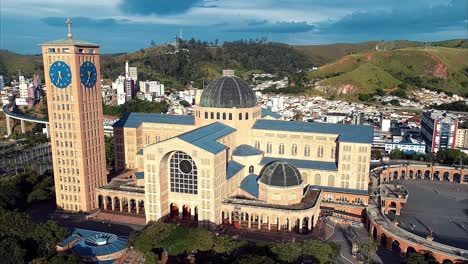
{"x": 317, "y": 180}
{"x": 294, "y": 150}
{"x": 206, "y": 115}
{"x": 333, "y": 151}
{"x": 240, "y": 116}
{"x": 230, "y": 116}
{"x": 320, "y": 152}
{"x": 331, "y": 180}
{"x": 212, "y": 115}
{"x": 246, "y": 116}
{"x": 218, "y": 115}
{"x": 183, "y": 173}
{"x": 307, "y": 151}
{"x": 268, "y": 148}
{"x": 281, "y": 149}
{"x": 224, "y": 116}
{"x": 251, "y": 169}
{"x": 257, "y": 144}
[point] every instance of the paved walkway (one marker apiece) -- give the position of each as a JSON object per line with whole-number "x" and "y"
{"x": 121, "y": 218}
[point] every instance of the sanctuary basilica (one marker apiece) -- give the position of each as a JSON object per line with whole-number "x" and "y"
{"x": 235, "y": 162}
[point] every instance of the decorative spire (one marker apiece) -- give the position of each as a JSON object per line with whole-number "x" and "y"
{"x": 70, "y": 35}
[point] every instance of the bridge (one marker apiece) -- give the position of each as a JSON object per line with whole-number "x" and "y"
{"x": 23, "y": 118}
{"x": 108, "y": 129}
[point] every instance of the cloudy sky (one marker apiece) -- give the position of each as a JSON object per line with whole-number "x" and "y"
{"x": 128, "y": 25}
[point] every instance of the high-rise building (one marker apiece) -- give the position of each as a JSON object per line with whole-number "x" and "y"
{"x": 438, "y": 130}
{"x": 462, "y": 138}
{"x": 2, "y": 83}
{"x": 72, "y": 79}
{"x": 23, "y": 86}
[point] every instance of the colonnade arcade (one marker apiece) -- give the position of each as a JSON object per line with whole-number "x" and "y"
{"x": 183, "y": 212}
{"x": 122, "y": 203}
{"x": 255, "y": 219}
{"x": 430, "y": 172}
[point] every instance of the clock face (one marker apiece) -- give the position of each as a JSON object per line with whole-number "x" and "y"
{"x": 185, "y": 166}
{"x": 60, "y": 74}
{"x": 88, "y": 74}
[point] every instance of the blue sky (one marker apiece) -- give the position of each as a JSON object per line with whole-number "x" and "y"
{"x": 128, "y": 25}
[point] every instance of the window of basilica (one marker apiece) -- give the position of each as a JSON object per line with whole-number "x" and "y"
{"x": 183, "y": 173}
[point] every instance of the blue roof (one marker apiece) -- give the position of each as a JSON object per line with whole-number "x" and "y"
{"x": 250, "y": 184}
{"x": 267, "y": 112}
{"x": 68, "y": 240}
{"x": 347, "y": 133}
{"x": 140, "y": 152}
{"x": 246, "y": 150}
{"x": 305, "y": 164}
{"x": 233, "y": 168}
{"x": 134, "y": 120}
{"x": 83, "y": 247}
{"x": 205, "y": 137}
{"x": 339, "y": 190}
{"x": 140, "y": 175}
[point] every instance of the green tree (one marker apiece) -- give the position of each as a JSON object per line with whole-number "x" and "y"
{"x": 396, "y": 154}
{"x": 254, "y": 259}
{"x": 322, "y": 252}
{"x": 11, "y": 251}
{"x": 185, "y": 103}
{"x": 286, "y": 251}
{"x": 226, "y": 244}
{"x": 110, "y": 154}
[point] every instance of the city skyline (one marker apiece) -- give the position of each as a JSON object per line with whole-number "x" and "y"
{"x": 127, "y": 26}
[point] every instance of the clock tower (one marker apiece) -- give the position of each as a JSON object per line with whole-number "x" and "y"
{"x": 72, "y": 78}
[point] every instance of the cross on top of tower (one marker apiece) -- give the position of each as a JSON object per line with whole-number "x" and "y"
{"x": 70, "y": 35}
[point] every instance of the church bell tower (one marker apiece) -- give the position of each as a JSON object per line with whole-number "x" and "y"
{"x": 72, "y": 78}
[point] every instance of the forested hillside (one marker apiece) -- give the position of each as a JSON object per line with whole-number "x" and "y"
{"x": 200, "y": 62}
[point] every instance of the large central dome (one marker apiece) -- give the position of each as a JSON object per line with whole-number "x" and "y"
{"x": 228, "y": 92}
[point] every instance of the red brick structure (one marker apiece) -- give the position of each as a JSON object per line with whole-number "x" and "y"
{"x": 424, "y": 171}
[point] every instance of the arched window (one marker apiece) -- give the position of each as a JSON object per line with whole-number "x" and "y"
{"x": 320, "y": 152}
{"x": 206, "y": 115}
{"x": 251, "y": 169}
{"x": 317, "y": 180}
{"x": 240, "y": 116}
{"x": 218, "y": 115}
{"x": 307, "y": 151}
{"x": 257, "y": 144}
{"x": 333, "y": 151}
{"x": 224, "y": 116}
{"x": 183, "y": 173}
{"x": 294, "y": 150}
{"x": 281, "y": 149}
{"x": 230, "y": 116}
{"x": 268, "y": 148}
{"x": 331, "y": 180}
{"x": 246, "y": 116}
{"x": 212, "y": 115}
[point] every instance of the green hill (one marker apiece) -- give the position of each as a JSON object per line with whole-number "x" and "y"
{"x": 435, "y": 68}
{"x": 199, "y": 62}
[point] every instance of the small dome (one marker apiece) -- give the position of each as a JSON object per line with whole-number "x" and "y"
{"x": 228, "y": 92}
{"x": 280, "y": 174}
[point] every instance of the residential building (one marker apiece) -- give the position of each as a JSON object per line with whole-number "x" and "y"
{"x": 438, "y": 130}
{"x": 462, "y": 138}
{"x": 408, "y": 145}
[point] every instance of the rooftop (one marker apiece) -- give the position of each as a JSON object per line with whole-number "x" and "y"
{"x": 246, "y": 150}
{"x": 338, "y": 190}
{"x": 233, "y": 168}
{"x": 228, "y": 92}
{"x": 205, "y": 137}
{"x": 134, "y": 120}
{"x": 93, "y": 243}
{"x": 267, "y": 112}
{"x": 250, "y": 184}
{"x": 70, "y": 42}
{"x": 280, "y": 174}
{"x": 304, "y": 164}
{"x": 346, "y": 133}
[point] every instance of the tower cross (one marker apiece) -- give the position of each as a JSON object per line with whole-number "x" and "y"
{"x": 70, "y": 35}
